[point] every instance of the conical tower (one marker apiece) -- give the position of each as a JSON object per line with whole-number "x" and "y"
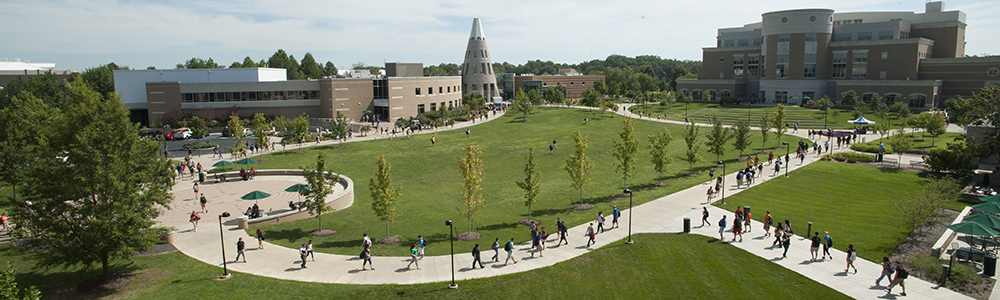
{"x": 477, "y": 71}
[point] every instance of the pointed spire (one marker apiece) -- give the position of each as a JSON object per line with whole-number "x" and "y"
{"x": 477, "y": 31}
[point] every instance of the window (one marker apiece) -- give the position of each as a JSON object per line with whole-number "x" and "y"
{"x": 417, "y": 91}
{"x": 809, "y": 66}
{"x": 784, "y": 19}
{"x": 725, "y": 94}
{"x": 484, "y": 67}
{"x": 860, "y": 67}
{"x": 449, "y": 89}
{"x": 904, "y": 34}
{"x": 420, "y": 108}
{"x": 738, "y": 65}
{"x": 891, "y": 98}
{"x": 727, "y": 43}
{"x": 430, "y": 90}
{"x": 844, "y": 37}
{"x": 917, "y": 101}
{"x": 882, "y": 75}
{"x": 722, "y": 59}
{"x": 867, "y": 97}
{"x": 812, "y": 18}
{"x": 752, "y": 64}
{"x": 865, "y": 36}
{"x": 781, "y": 97}
{"x": 781, "y": 67}
{"x": 885, "y": 55}
{"x": 810, "y": 37}
{"x": 743, "y": 42}
{"x": 763, "y": 66}
{"x": 857, "y": 21}
{"x": 440, "y": 90}
{"x": 885, "y": 35}
{"x": 757, "y": 41}
{"x": 433, "y": 106}
{"x": 783, "y": 38}
{"x": 839, "y": 64}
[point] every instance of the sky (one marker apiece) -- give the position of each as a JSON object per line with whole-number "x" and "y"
{"x": 78, "y": 34}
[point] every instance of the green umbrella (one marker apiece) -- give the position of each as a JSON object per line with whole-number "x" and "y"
{"x": 223, "y": 163}
{"x": 255, "y": 195}
{"x": 246, "y": 161}
{"x": 366, "y": 112}
{"x": 993, "y": 199}
{"x": 987, "y": 220}
{"x": 297, "y": 189}
{"x": 973, "y": 228}
{"x": 989, "y": 207}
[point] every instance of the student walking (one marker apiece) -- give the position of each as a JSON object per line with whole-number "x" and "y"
{"x": 562, "y": 231}
{"x": 590, "y": 234}
{"x": 851, "y": 257}
{"x": 704, "y": 216}
{"x": 4, "y": 222}
{"x": 195, "y": 188}
{"x": 614, "y": 216}
{"x": 827, "y": 244}
{"x": 737, "y": 229}
{"x": 194, "y": 220}
{"x": 241, "y": 250}
{"x": 366, "y": 258}
{"x": 746, "y": 221}
{"x": 778, "y": 231}
{"x": 422, "y": 243}
{"x": 309, "y": 250}
{"x": 814, "y": 247}
{"x": 476, "y": 258}
{"x": 901, "y": 274}
{"x": 260, "y": 239}
{"x": 413, "y": 257}
{"x": 509, "y": 247}
{"x": 767, "y": 224}
{"x": 786, "y": 241}
{"x": 303, "y": 252}
{"x": 600, "y": 221}
{"x": 777, "y": 168}
{"x": 887, "y": 270}
{"x": 204, "y": 203}
{"x": 722, "y": 228}
{"x": 496, "y": 250}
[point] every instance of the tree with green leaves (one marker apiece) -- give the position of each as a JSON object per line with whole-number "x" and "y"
{"x": 707, "y": 96}
{"x": 474, "y": 101}
{"x": 956, "y": 158}
{"x": 102, "y": 78}
{"x": 534, "y": 97}
{"x": 198, "y": 63}
{"x": 238, "y": 149}
{"x": 578, "y": 165}
{"x": 926, "y": 205}
{"x": 765, "y": 130}
{"x": 8, "y": 285}
{"x": 658, "y": 145}
{"x": 260, "y": 127}
{"x": 248, "y": 63}
{"x": 24, "y": 118}
{"x": 471, "y": 166}
{"x": 741, "y": 136}
{"x": 299, "y": 128}
{"x": 310, "y": 68}
{"x": 198, "y": 127}
{"x": 850, "y": 98}
{"x": 716, "y": 140}
{"x": 96, "y": 189}
{"x": 530, "y": 184}
{"x": 521, "y": 105}
{"x": 590, "y": 98}
{"x": 47, "y": 87}
{"x": 329, "y": 69}
{"x": 935, "y": 125}
{"x": 825, "y": 105}
{"x": 280, "y": 123}
{"x": 902, "y": 112}
{"x": 900, "y": 143}
{"x": 625, "y": 150}
{"x": 981, "y": 110}
{"x": 683, "y": 96}
{"x": 384, "y": 194}
{"x": 319, "y": 188}
{"x": 692, "y": 140}
{"x": 339, "y": 126}
{"x": 779, "y": 122}
{"x": 555, "y": 96}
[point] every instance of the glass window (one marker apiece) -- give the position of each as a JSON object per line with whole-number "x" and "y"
{"x": 917, "y": 101}
{"x": 809, "y": 66}
{"x": 882, "y": 75}
{"x": 417, "y": 91}
{"x": 783, "y": 38}
{"x": 752, "y": 64}
{"x": 844, "y": 37}
{"x": 891, "y": 98}
{"x": 781, "y": 66}
{"x": 865, "y": 36}
{"x": 727, "y": 43}
{"x": 839, "y": 64}
{"x": 420, "y": 108}
{"x": 738, "y": 65}
{"x": 885, "y": 35}
{"x": 860, "y": 67}
{"x": 885, "y": 55}
{"x": 743, "y": 42}
{"x": 757, "y": 41}
{"x": 810, "y": 37}
{"x": 763, "y": 66}
{"x": 781, "y": 97}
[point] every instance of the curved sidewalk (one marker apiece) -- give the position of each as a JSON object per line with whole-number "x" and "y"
{"x": 663, "y": 215}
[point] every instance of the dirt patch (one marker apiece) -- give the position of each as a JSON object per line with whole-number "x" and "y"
{"x": 159, "y": 249}
{"x": 100, "y": 285}
{"x": 581, "y": 206}
{"x": 659, "y": 184}
{"x": 263, "y": 160}
{"x": 389, "y": 240}
{"x": 144, "y": 280}
{"x": 468, "y": 236}
{"x": 528, "y": 222}
{"x": 299, "y": 152}
{"x": 323, "y": 232}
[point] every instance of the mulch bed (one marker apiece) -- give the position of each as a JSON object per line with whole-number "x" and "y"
{"x": 659, "y": 184}
{"x": 581, "y": 206}
{"x": 389, "y": 240}
{"x": 527, "y": 222}
{"x": 98, "y": 285}
{"x": 263, "y": 160}
{"x": 323, "y": 232}
{"x": 468, "y": 236}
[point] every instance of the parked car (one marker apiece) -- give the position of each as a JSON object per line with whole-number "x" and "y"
{"x": 169, "y": 135}
{"x": 182, "y": 133}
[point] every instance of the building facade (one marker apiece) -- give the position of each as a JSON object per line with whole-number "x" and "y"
{"x": 573, "y": 84}
{"x": 793, "y": 56}
{"x": 477, "y": 69}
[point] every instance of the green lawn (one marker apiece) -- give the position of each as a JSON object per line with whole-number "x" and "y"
{"x": 696, "y": 267}
{"x": 853, "y": 202}
{"x": 431, "y": 180}
{"x": 807, "y": 118}
{"x": 923, "y": 141}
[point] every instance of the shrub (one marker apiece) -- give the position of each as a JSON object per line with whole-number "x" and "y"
{"x": 956, "y": 159}
{"x": 961, "y": 275}
{"x": 870, "y": 147}
{"x": 462, "y": 118}
{"x": 850, "y": 157}
{"x": 200, "y": 145}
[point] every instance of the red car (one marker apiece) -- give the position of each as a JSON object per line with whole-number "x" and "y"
{"x": 169, "y": 135}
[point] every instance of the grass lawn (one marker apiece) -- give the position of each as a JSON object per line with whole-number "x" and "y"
{"x": 923, "y": 141}
{"x": 431, "y": 180}
{"x": 695, "y": 266}
{"x": 808, "y": 118}
{"x": 853, "y": 202}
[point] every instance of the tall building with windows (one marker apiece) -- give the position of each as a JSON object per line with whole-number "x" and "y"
{"x": 477, "y": 70}
{"x": 793, "y": 56}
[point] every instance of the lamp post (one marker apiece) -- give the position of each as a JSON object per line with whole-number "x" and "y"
{"x": 451, "y": 233}
{"x": 222, "y": 237}
{"x": 723, "y": 182}
{"x": 629, "y": 192}
{"x": 786, "y": 157}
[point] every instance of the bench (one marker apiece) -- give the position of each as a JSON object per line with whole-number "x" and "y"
{"x": 889, "y": 160}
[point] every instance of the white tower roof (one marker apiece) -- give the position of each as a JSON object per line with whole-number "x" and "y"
{"x": 477, "y": 31}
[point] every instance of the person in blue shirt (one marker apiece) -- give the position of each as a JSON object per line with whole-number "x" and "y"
{"x": 614, "y": 217}
{"x": 722, "y": 227}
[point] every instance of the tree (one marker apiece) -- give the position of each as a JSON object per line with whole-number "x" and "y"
{"x": 686, "y": 98}
{"x": 310, "y": 67}
{"x": 534, "y": 97}
{"x": 46, "y": 87}
{"x": 578, "y": 165}
{"x": 765, "y": 130}
{"x": 530, "y": 184}
{"x": 8, "y": 285}
{"x": 329, "y": 69}
{"x": 691, "y": 138}
{"x": 198, "y": 63}
{"x": 707, "y": 96}
{"x": 716, "y": 140}
{"x": 248, "y": 63}
{"x": 260, "y": 128}
{"x": 935, "y": 125}
{"x": 238, "y": 149}
{"x": 625, "y": 150}
{"x": 982, "y": 110}
{"x": 658, "y": 144}
{"x": 471, "y": 166}
{"x": 900, "y": 143}
{"x": 955, "y": 159}
{"x": 102, "y": 78}
{"x": 779, "y": 122}
{"x": 741, "y": 136}
{"x": 825, "y": 105}
{"x": 280, "y": 123}
{"x": 850, "y": 98}
{"x": 319, "y": 188}
{"x": 600, "y": 87}
{"x": 926, "y": 205}
{"x": 198, "y": 127}
{"x": 555, "y": 95}
{"x": 339, "y": 126}
{"x": 97, "y": 187}
{"x": 473, "y": 100}
{"x": 590, "y": 98}
{"x": 902, "y": 112}
{"x": 921, "y": 122}
{"x": 24, "y": 118}
{"x": 384, "y": 194}
{"x": 299, "y": 128}
{"x": 521, "y": 105}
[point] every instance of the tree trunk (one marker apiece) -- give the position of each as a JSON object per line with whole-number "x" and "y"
{"x": 581, "y": 196}
{"x": 386, "y": 228}
{"x": 319, "y": 217}
{"x": 106, "y": 266}
{"x": 529, "y": 213}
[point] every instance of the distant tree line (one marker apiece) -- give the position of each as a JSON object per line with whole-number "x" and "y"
{"x": 307, "y": 68}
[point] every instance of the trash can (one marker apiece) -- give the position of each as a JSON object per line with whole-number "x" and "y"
{"x": 241, "y": 222}
{"x": 687, "y": 225}
{"x": 989, "y": 265}
{"x": 746, "y": 210}
{"x": 201, "y": 177}
{"x": 945, "y": 271}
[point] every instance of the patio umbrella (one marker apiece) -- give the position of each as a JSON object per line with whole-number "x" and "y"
{"x": 255, "y": 195}
{"x": 297, "y": 189}
{"x": 366, "y": 112}
{"x": 987, "y": 220}
{"x": 246, "y": 161}
{"x": 223, "y": 163}
{"x": 973, "y": 229}
{"x": 989, "y": 207}
{"x": 991, "y": 199}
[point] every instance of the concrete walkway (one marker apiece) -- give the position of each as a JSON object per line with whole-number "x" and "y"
{"x": 663, "y": 215}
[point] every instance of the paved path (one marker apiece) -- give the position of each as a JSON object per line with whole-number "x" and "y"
{"x": 662, "y": 215}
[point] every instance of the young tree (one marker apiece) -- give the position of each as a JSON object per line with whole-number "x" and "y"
{"x": 578, "y": 165}
{"x": 900, "y": 143}
{"x": 925, "y": 205}
{"x": 299, "y": 128}
{"x": 625, "y": 150}
{"x": 238, "y": 149}
{"x": 779, "y": 121}
{"x": 658, "y": 144}
{"x": 97, "y": 187}
{"x": 716, "y": 140}
{"x": 935, "y": 125}
{"x": 472, "y": 176}
{"x": 280, "y": 123}
{"x": 521, "y": 105}
{"x": 260, "y": 128}
{"x": 24, "y": 117}
{"x": 982, "y": 110}
{"x": 691, "y": 138}
{"x": 850, "y": 98}
{"x": 902, "y": 112}
{"x": 534, "y": 97}
{"x": 316, "y": 177}
{"x": 825, "y": 105}
{"x": 741, "y": 136}
{"x": 339, "y": 126}
{"x": 765, "y": 130}
{"x": 474, "y": 101}
{"x": 8, "y": 285}
{"x": 198, "y": 127}
{"x": 530, "y": 184}
{"x": 384, "y": 194}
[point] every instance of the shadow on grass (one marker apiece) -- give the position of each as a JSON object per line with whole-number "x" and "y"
{"x": 547, "y": 212}
{"x": 889, "y": 170}
{"x": 288, "y": 235}
{"x": 499, "y": 226}
{"x": 338, "y": 244}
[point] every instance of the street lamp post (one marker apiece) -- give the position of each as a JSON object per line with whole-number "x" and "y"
{"x": 786, "y": 157}
{"x": 723, "y": 182}
{"x": 222, "y": 237}
{"x": 451, "y": 233}
{"x": 629, "y": 192}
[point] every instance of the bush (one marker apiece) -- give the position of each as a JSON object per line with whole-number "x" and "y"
{"x": 956, "y": 159}
{"x": 200, "y": 145}
{"x": 870, "y": 147}
{"x": 961, "y": 275}
{"x": 850, "y": 157}
{"x": 462, "y": 118}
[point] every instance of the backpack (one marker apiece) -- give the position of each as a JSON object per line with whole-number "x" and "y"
{"x": 902, "y": 273}
{"x": 507, "y": 247}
